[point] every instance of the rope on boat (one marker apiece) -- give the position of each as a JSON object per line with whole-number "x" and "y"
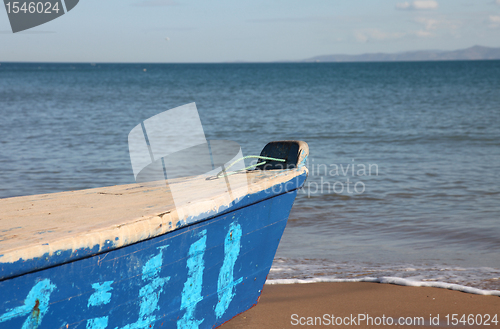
{"x": 249, "y": 167}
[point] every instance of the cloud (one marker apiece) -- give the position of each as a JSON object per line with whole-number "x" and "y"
{"x": 423, "y": 34}
{"x": 498, "y": 2}
{"x": 433, "y": 26}
{"x": 494, "y": 21}
{"x": 403, "y": 5}
{"x": 428, "y": 23}
{"x": 376, "y": 34}
{"x": 418, "y": 5}
{"x": 361, "y": 37}
{"x": 156, "y": 3}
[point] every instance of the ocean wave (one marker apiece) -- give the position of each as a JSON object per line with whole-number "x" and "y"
{"x": 477, "y": 280}
{"x": 391, "y": 280}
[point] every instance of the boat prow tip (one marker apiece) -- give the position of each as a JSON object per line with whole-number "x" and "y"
{"x": 294, "y": 153}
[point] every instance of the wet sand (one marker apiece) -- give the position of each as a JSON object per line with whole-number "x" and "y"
{"x": 317, "y": 305}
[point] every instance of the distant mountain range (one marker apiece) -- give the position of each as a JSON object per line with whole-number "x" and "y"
{"x": 472, "y": 53}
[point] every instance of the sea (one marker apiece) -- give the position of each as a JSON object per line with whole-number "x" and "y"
{"x": 404, "y": 165}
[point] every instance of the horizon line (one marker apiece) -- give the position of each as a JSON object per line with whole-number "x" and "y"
{"x": 263, "y": 62}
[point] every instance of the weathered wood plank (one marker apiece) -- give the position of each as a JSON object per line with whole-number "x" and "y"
{"x": 78, "y": 223}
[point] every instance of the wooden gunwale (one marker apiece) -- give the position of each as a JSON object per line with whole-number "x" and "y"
{"x": 36, "y": 226}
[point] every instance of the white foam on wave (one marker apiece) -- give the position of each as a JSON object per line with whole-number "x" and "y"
{"x": 391, "y": 280}
{"x": 476, "y": 280}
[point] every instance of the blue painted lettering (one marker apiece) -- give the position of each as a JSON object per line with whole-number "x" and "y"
{"x": 191, "y": 294}
{"x": 101, "y": 296}
{"x": 150, "y": 293}
{"x": 226, "y": 283}
{"x": 97, "y": 323}
{"x": 35, "y": 305}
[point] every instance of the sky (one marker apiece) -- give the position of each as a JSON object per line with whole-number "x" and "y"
{"x": 181, "y": 31}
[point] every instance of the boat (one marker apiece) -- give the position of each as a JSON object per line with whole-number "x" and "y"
{"x": 130, "y": 257}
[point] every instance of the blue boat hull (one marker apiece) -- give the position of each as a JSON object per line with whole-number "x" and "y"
{"x": 198, "y": 276}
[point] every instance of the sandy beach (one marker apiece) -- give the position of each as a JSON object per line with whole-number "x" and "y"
{"x": 366, "y": 305}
